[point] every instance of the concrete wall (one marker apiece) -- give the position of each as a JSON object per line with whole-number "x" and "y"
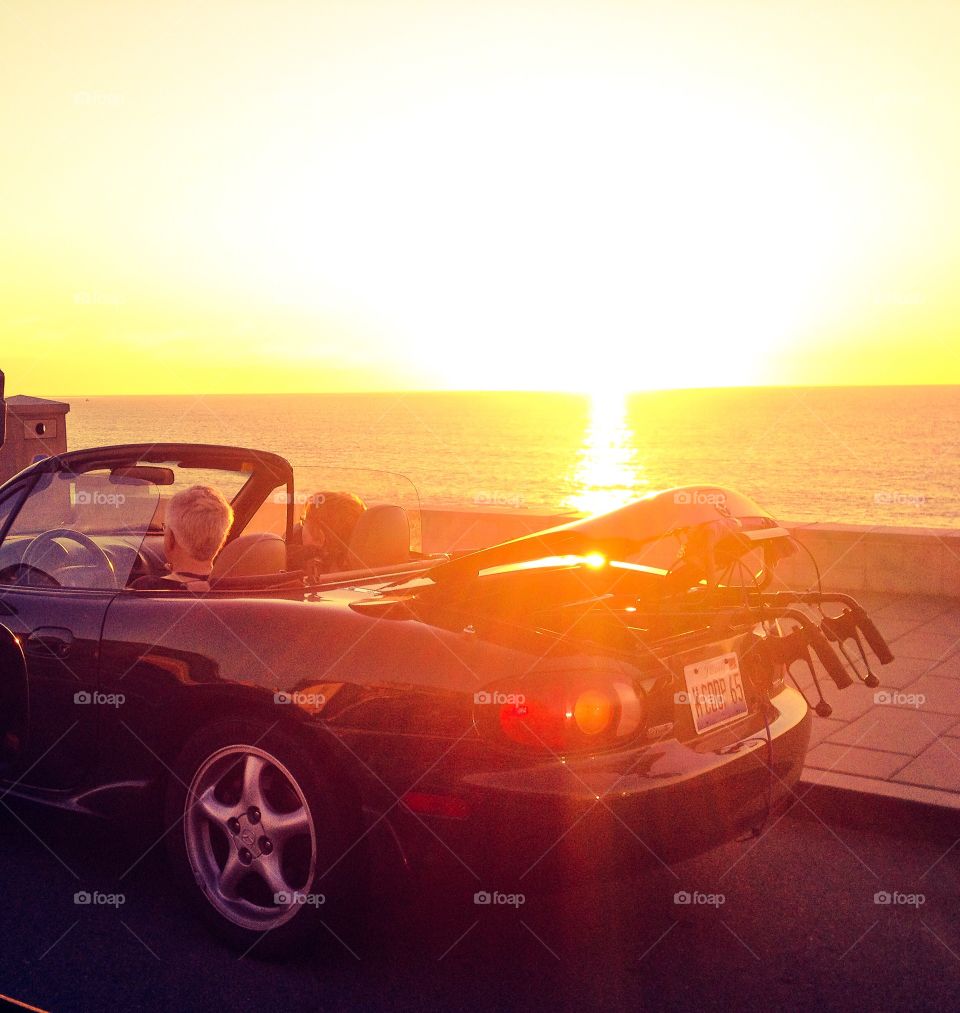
{"x": 903, "y": 560}
{"x": 850, "y": 557}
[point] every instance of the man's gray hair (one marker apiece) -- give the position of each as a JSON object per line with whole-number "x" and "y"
{"x": 200, "y": 519}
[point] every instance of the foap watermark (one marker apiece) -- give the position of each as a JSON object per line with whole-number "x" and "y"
{"x": 899, "y": 499}
{"x": 699, "y": 898}
{"x": 702, "y": 701}
{"x": 97, "y": 98}
{"x": 96, "y": 698}
{"x": 897, "y": 698}
{"x": 292, "y": 898}
{"x": 97, "y": 497}
{"x": 494, "y": 898}
{"x": 699, "y": 497}
{"x": 496, "y": 698}
{"x": 497, "y": 497}
{"x": 297, "y": 498}
{"x": 299, "y": 699}
{"x": 895, "y": 898}
{"x": 95, "y": 898}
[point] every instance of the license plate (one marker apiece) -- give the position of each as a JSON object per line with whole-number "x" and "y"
{"x": 715, "y": 691}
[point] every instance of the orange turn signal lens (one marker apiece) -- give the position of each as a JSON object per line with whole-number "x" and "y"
{"x": 593, "y": 712}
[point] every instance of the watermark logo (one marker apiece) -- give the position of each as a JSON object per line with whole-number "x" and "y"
{"x": 699, "y": 497}
{"x": 85, "y": 697}
{"x": 97, "y": 497}
{"x": 494, "y": 898}
{"x": 485, "y": 697}
{"x": 699, "y": 898}
{"x": 95, "y": 898}
{"x": 291, "y": 898}
{"x": 97, "y": 98}
{"x": 495, "y": 497}
{"x": 894, "y": 898}
{"x": 299, "y": 699}
{"x": 702, "y": 701}
{"x": 298, "y": 498}
{"x": 899, "y": 499}
{"x": 897, "y": 698}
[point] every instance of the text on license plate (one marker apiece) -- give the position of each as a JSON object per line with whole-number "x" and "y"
{"x": 715, "y": 691}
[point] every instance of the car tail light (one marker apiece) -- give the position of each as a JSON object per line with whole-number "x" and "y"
{"x": 562, "y": 714}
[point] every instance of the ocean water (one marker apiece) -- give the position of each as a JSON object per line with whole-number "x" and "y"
{"x": 863, "y": 455}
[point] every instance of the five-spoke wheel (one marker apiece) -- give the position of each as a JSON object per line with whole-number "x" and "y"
{"x": 249, "y": 837}
{"x": 264, "y": 831}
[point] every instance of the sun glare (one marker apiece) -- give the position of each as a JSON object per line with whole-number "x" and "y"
{"x": 527, "y": 200}
{"x": 609, "y": 473}
{"x": 702, "y": 242}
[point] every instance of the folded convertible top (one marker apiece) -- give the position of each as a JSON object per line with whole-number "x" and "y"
{"x": 622, "y": 532}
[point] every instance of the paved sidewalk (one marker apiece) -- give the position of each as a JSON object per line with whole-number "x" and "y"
{"x": 902, "y": 739}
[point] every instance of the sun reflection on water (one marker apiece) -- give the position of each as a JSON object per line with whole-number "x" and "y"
{"x": 608, "y": 473}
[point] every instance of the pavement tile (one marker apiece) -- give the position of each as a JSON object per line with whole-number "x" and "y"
{"x": 850, "y": 703}
{"x": 875, "y": 601}
{"x": 921, "y": 644}
{"x": 894, "y": 729}
{"x": 893, "y": 627}
{"x": 901, "y": 671}
{"x": 948, "y": 623}
{"x": 922, "y": 608}
{"x": 938, "y": 766}
{"x": 853, "y": 760}
{"x": 823, "y": 728}
{"x": 942, "y": 696}
{"x": 949, "y": 669}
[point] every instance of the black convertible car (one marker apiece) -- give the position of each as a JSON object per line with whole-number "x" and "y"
{"x": 613, "y": 691}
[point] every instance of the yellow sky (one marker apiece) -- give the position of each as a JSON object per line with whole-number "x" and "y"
{"x": 294, "y": 196}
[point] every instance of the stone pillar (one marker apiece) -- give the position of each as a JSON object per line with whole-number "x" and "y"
{"x": 36, "y": 427}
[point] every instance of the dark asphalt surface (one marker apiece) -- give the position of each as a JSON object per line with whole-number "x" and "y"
{"x": 798, "y": 928}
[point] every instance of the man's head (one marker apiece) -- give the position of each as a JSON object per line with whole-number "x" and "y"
{"x": 328, "y": 522}
{"x": 195, "y": 528}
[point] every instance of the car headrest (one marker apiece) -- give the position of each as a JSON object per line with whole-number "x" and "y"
{"x": 251, "y": 555}
{"x": 381, "y": 537}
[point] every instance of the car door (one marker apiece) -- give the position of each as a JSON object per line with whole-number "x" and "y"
{"x": 69, "y": 545}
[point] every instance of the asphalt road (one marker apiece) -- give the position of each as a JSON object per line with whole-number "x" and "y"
{"x": 788, "y": 920}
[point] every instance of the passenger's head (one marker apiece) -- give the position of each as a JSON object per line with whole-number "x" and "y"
{"x": 196, "y": 525}
{"x": 328, "y": 522}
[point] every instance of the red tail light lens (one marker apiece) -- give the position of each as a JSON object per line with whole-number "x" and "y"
{"x": 562, "y": 715}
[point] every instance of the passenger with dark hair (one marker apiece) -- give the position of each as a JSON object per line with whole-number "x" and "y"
{"x": 321, "y": 542}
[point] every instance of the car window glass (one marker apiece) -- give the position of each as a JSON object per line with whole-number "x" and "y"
{"x": 271, "y": 516}
{"x": 227, "y": 482}
{"x": 78, "y": 531}
{"x": 8, "y": 504}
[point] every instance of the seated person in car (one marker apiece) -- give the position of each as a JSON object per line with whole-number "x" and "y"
{"x": 197, "y": 522}
{"x": 320, "y": 543}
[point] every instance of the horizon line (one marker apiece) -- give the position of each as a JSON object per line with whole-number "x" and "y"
{"x": 486, "y": 390}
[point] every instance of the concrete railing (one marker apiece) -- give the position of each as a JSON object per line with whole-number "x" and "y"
{"x": 851, "y": 557}
{"x": 861, "y": 558}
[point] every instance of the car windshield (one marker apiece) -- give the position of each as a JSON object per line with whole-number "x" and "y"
{"x": 227, "y": 481}
{"x": 81, "y": 531}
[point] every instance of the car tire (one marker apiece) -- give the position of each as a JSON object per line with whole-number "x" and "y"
{"x": 263, "y": 834}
